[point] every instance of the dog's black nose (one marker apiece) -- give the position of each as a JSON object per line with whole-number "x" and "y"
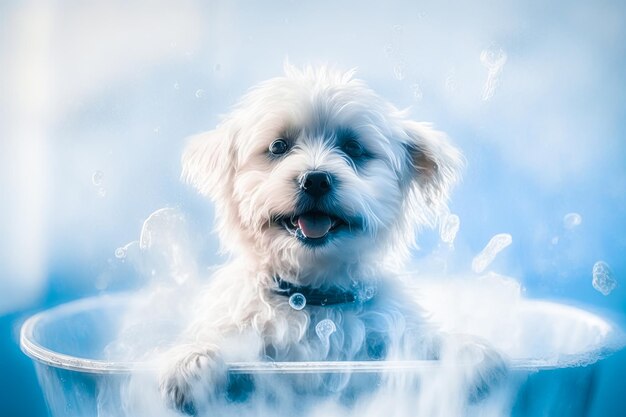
{"x": 316, "y": 183}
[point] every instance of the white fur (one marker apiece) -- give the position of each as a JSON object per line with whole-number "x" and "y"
{"x": 403, "y": 186}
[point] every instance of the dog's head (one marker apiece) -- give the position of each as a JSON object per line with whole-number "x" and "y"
{"x": 314, "y": 169}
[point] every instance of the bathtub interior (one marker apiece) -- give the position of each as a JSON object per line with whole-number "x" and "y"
{"x": 78, "y": 375}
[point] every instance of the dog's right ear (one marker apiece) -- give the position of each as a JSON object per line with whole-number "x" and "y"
{"x": 207, "y": 162}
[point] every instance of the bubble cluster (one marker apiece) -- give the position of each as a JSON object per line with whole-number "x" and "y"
{"x": 297, "y": 301}
{"x": 324, "y": 329}
{"x": 488, "y": 254}
{"x": 571, "y": 220}
{"x": 493, "y": 59}
{"x": 603, "y": 279}
{"x": 449, "y": 228}
{"x": 366, "y": 293}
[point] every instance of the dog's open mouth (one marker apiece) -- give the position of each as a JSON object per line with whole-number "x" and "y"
{"x": 313, "y": 226}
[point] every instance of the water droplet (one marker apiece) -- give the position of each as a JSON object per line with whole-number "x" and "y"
{"x": 199, "y": 93}
{"x": 603, "y": 279}
{"x": 398, "y": 29}
{"x": 102, "y": 192}
{"x": 297, "y": 301}
{"x": 176, "y": 86}
{"x": 97, "y": 177}
{"x": 488, "y": 254}
{"x": 324, "y": 329}
{"x": 416, "y": 91}
{"x": 388, "y": 48}
{"x": 399, "y": 72}
{"x": 571, "y": 220}
{"x": 555, "y": 240}
{"x": 449, "y": 228}
{"x": 156, "y": 130}
{"x": 217, "y": 67}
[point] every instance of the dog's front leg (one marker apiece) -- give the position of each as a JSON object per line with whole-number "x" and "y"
{"x": 192, "y": 376}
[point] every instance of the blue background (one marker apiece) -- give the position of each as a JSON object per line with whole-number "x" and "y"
{"x": 116, "y": 86}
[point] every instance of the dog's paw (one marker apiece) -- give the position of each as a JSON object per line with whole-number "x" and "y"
{"x": 192, "y": 377}
{"x": 487, "y": 369}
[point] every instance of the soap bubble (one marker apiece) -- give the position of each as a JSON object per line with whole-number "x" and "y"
{"x": 450, "y": 82}
{"x": 571, "y": 220}
{"x": 324, "y": 329}
{"x": 200, "y": 93}
{"x": 493, "y": 59}
{"x": 416, "y": 91}
{"x": 297, "y": 301}
{"x": 449, "y": 228}
{"x": 488, "y": 254}
{"x": 176, "y": 86}
{"x": 603, "y": 279}
{"x": 166, "y": 246}
{"x": 97, "y": 177}
{"x": 399, "y": 72}
{"x": 102, "y": 192}
{"x": 388, "y": 48}
{"x": 120, "y": 253}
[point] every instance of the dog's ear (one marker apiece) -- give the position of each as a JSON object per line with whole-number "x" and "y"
{"x": 207, "y": 162}
{"x": 434, "y": 164}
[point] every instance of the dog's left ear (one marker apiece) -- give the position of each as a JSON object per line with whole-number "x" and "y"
{"x": 208, "y": 163}
{"x": 435, "y": 165}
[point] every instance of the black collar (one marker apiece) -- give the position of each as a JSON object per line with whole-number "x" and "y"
{"x": 314, "y": 296}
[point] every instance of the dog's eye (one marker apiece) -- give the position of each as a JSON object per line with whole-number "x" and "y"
{"x": 279, "y": 147}
{"x": 353, "y": 149}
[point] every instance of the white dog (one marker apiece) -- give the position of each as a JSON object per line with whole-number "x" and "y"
{"x": 320, "y": 187}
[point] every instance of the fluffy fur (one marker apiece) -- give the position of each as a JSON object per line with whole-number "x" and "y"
{"x": 400, "y": 183}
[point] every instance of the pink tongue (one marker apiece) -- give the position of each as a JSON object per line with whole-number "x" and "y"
{"x": 314, "y": 226}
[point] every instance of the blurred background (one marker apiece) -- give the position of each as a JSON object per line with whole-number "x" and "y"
{"x": 96, "y": 99}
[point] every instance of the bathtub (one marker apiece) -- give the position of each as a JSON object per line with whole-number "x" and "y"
{"x": 66, "y": 344}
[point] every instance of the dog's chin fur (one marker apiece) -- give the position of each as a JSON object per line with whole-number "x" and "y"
{"x": 400, "y": 183}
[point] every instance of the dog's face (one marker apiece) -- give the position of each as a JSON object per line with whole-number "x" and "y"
{"x": 314, "y": 169}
